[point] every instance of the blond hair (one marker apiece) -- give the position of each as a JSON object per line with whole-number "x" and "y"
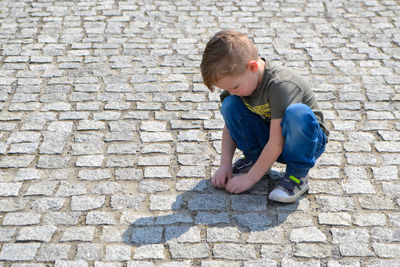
{"x": 226, "y": 54}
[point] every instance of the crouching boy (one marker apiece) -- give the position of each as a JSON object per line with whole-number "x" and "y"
{"x": 270, "y": 114}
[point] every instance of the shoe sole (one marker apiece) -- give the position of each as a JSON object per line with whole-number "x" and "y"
{"x": 289, "y": 199}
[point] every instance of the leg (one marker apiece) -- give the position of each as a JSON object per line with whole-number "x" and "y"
{"x": 304, "y": 139}
{"x": 304, "y": 143}
{"x": 247, "y": 129}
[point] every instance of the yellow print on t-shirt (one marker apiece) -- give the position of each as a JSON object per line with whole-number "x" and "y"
{"x": 263, "y": 110}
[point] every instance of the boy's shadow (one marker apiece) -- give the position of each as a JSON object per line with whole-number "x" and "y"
{"x": 206, "y": 205}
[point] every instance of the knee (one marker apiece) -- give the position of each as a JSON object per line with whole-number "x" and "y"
{"x": 297, "y": 112}
{"x": 299, "y": 115}
{"x": 230, "y": 105}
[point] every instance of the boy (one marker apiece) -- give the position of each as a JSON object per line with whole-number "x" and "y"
{"x": 270, "y": 114}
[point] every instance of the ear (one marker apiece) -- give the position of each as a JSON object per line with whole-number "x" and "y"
{"x": 252, "y": 65}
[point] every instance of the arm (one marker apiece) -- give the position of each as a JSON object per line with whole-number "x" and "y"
{"x": 268, "y": 156}
{"x": 224, "y": 173}
{"x": 270, "y": 153}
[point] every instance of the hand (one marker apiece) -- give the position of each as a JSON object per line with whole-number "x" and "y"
{"x": 239, "y": 184}
{"x": 221, "y": 176}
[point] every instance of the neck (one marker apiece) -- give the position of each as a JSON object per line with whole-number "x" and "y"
{"x": 261, "y": 68}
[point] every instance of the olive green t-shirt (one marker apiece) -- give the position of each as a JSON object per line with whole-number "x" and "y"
{"x": 278, "y": 89}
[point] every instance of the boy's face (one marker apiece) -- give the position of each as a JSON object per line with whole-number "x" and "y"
{"x": 243, "y": 84}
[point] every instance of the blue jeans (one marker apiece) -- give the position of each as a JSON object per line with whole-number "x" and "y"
{"x": 304, "y": 139}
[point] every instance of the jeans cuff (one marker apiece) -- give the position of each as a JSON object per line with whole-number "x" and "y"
{"x": 298, "y": 173}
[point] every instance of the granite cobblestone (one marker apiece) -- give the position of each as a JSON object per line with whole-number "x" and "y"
{"x": 108, "y": 137}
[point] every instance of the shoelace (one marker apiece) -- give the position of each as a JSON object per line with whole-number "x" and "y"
{"x": 242, "y": 163}
{"x": 287, "y": 183}
{"x": 290, "y": 183}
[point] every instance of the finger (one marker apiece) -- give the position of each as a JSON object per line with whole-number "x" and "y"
{"x": 229, "y": 186}
{"x": 220, "y": 182}
{"x": 213, "y": 180}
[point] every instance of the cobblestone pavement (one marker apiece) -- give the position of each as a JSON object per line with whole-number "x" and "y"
{"x": 108, "y": 137}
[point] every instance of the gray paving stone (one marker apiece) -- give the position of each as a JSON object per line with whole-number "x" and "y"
{"x": 13, "y": 204}
{"x": 189, "y": 251}
{"x": 147, "y": 235}
{"x": 208, "y": 218}
{"x": 6, "y": 234}
{"x": 19, "y": 252}
{"x": 100, "y": 218}
{"x": 21, "y": 218}
{"x": 355, "y": 250}
{"x": 129, "y": 174}
{"x": 335, "y": 218}
{"x": 118, "y": 253}
{"x": 107, "y": 188}
{"x": 150, "y": 186}
{"x": 66, "y": 263}
{"x": 207, "y": 202}
{"x": 165, "y": 202}
{"x": 84, "y": 233}
{"x": 234, "y": 251}
{"x": 53, "y": 252}
{"x": 89, "y": 252}
{"x": 226, "y": 234}
{"x": 308, "y": 234}
{"x": 254, "y": 221}
{"x": 248, "y": 203}
{"x": 120, "y": 202}
{"x": 79, "y": 203}
{"x": 52, "y": 162}
{"x": 287, "y": 262}
{"x": 333, "y": 203}
{"x": 45, "y": 188}
{"x": 71, "y": 189}
{"x": 309, "y": 250}
{"x": 36, "y": 233}
{"x": 182, "y": 234}
{"x": 16, "y": 161}
{"x": 61, "y": 218}
{"x": 90, "y": 161}
{"x": 10, "y": 189}
{"x": 140, "y": 263}
{"x": 94, "y": 175}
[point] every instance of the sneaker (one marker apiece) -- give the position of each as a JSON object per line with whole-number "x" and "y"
{"x": 242, "y": 165}
{"x": 289, "y": 189}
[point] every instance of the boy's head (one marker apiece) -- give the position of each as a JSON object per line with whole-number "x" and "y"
{"x": 226, "y": 54}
